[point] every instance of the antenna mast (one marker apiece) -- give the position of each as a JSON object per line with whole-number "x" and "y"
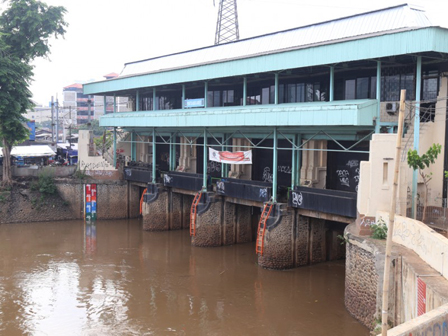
{"x": 227, "y": 23}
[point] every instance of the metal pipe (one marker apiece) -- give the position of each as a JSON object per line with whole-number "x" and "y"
{"x": 299, "y": 160}
{"x": 274, "y": 167}
{"x": 244, "y": 91}
{"x": 205, "y": 94}
{"x": 204, "y": 182}
{"x": 276, "y": 89}
{"x": 115, "y": 103}
{"x": 153, "y": 155}
{"x": 331, "y": 83}
{"x": 133, "y": 147}
{"x": 183, "y": 96}
{"x": 418, "y": 86}
{"x": 137, "y": 100}
{"x": 115, "y": 147}
{"x": 294, "y": 161}
{"x": 154, "y": 105}
{"x": 378, "y": 97}
{"x": 172, "y": 153}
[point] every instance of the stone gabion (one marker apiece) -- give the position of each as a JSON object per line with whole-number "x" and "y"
{"x": 155, "y": 214}
{"x": 244, "y": 224}
{"x": 302, "y": 240}
{"x": 209, "y": 227}
{"x": 278, "y": 248}
{"x": 176, "y": 211}
{"x": 361, "y": 283}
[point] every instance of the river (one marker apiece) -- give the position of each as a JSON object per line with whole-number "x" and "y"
{"x": 113, "y": 278}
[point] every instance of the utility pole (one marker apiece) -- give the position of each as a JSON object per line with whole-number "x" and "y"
{"x": 52, "y": 119}
{"x": 227, "y": 24}
{"x": 57, "y": 120}
{"x": 89, "y": 102}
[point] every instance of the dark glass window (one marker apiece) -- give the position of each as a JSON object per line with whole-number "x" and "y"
{"x": 393, "y": 80}
{"x": 362, "y": 88}
{"x": 350, "y": 89}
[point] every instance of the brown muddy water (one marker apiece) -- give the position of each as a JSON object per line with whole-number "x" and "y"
{"x": 112, "y": 278}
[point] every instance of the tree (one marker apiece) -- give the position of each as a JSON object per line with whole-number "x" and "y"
{"x": 416, "y": 161}
{"x": 25, "y": 29}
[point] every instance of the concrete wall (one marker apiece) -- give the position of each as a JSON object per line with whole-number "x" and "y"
{"x": 415, "y": 287}
{"x": 113, "y": 198}
{"x": 94, "y": 165}
{"x": 430, "y": 246}
{"x": 432, "y": 323}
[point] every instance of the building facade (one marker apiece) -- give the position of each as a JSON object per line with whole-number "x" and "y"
{"x": 305, "y": 103}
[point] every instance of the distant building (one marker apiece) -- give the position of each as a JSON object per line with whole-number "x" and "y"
{"x": 77, "y": 102}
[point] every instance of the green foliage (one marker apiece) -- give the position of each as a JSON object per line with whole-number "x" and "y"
{"x": 44, "y": 184}
{"x": 379, "y": 229}
{"x": 344, "y": 239}
{"x": 104, "y": 142}
{"x": 416, "y": 161}
{"x": 80, "y": 174}
{"x": 26, "y": 27}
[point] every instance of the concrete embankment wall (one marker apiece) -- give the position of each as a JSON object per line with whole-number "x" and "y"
{"x": 115, "y": 200}
{"x": 415, "y": 287}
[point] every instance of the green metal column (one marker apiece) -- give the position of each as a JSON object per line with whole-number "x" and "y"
{"x": 105, "y": 105}
{"x": 137, "y": 100}
{"x": 115, "y": 103}
{"x": 274, "y": 167}
{"x": 298, "y": 159}
{"x": 133, "y": 147}
{"x": 244, "y": 91}
{"x": 154, "y": 155}
{"x": 378, "y": 96}
{"x": 224, "y": 166}
{"x": 172, "y": 152}
{"x": 154, "y": 105}
{"x": 418, "y": 88}
{"x": 205, "y": 94}
{"x": 294, "y": 162}
{"x": 204, "y": 183}
{"x": 183, "y": 96}
{"x": 276, "y": 89}
{"x": 115, "y": 147}
{"x": 331, "y": 83}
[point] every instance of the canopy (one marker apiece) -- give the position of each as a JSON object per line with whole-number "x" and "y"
{"x": 31, "y": 151}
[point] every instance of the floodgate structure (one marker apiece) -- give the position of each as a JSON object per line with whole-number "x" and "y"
{"x": 284, "y": 138}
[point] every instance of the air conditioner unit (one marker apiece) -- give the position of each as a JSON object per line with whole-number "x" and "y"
{"x": 391, "y": 108}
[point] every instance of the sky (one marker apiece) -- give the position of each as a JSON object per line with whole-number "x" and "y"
{"x": 103, "y": 35}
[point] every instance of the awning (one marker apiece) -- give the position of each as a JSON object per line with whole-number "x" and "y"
{"x": 32, "y": 151}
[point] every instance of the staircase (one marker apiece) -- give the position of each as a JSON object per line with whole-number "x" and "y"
{"x": 262, "y": 227}
{"x": 193, "y": 213}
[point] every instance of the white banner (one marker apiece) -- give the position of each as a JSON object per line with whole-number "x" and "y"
{"x": 230, "y": 157}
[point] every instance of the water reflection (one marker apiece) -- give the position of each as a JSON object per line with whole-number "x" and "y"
{"x": 111, "y": 278}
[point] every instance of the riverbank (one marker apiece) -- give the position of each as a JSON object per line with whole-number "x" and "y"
{"x": 24, "y": 202}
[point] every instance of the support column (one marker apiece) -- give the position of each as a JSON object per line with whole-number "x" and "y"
{"x": 115, "y": 146}
{"x": 154, "y": 105}
{"x": 244, "y": 91}
{"x": 205, "y": 94}
{"x": 183, "y": 96}
{"x": 294, "y": 162}
{"x": 274, "y": 167}
{"x": 299, "y": 159}
{"x": 137, "y": 100}
{"x": 276, "y": 89}
{"x": 105, "y": 105}
{"x": 331, "y": 83}
{"x": 115, "y": 103}
{"x": 418, "y": 88}
{"x": 172, "y": 152}
{"x": 204, "y": 181}
{"x": 378, "y": 97}
{"x": 133, "y": 147}
{"x": 153, "y": 155}
{"x": 224, "y": 166}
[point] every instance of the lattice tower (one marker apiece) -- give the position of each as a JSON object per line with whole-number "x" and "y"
{"x": 227, "y": 23}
